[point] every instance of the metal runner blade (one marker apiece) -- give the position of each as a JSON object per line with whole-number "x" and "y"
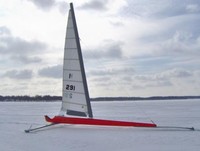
{"x": 38, "y": 128}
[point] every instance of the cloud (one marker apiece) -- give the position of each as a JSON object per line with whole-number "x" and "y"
{"x": 154, "y": 80}
{"x": 4, "y": 31}
{"x": 174, "y": 36}
{"x": 16, "y": 45}
{"x": 160, "y": 9}
{"x": 130, "y": 77}
{"x": 166, "y": 75}
{"x": 93, "y": 5}
{"x": 97, "y": 5}
{"x": 63, "y": 7}
{"x": 21, "y": 74}
{"x": 193, "y": 8}
{"x": 47, "y": 5}
{"x": 181, "y": 44}
{"x": 176, "y": 73}
{"x": 51, "y": 72}
{"x": 116, "y": 23}
{"x": 111, "y": 71}
{"x": 176, "y": 81}
{"x": 19, "y": 49}
{"x": 166, "y": 78}
{"x": 108, "y": 49}
{"x": 44, "y": 4}
{"x": 158, "y": 84}
{"x": 25, "y": 59}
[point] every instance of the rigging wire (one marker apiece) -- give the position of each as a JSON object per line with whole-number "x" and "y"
{"x": 126, "y": 12}
{"x": 114, "y": 82}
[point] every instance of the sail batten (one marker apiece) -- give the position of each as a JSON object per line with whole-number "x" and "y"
{"x": 71, "y": 59}
{"x": 75, "y": 100}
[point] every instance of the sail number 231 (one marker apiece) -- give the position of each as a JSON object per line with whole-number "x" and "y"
{"x": 70, "y": 87}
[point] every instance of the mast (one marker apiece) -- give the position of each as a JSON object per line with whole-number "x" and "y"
{"x": 81, "y": 61}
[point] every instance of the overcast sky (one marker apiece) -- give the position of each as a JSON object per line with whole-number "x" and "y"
{"x": 130, "y": 47}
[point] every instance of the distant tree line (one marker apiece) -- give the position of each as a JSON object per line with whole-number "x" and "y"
{"x": 30, "y": 98}
{"x": 48, "y": 98}
{"x": 144, "y": 98}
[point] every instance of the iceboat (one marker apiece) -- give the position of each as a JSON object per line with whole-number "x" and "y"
{"x": 76, "y": 107}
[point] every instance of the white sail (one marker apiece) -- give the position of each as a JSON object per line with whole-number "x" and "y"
{"x": 75, "y": 98}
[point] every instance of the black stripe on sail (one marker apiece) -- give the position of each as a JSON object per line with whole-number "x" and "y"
{"x": 76, "y": 113}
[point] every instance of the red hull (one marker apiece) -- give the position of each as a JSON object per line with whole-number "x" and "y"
{"x": 91, "y": 121}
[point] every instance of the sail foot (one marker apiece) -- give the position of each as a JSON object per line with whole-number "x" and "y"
{"x": 76, "y": 113}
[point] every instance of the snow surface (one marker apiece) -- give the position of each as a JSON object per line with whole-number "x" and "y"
{"x": 15, "y": 117}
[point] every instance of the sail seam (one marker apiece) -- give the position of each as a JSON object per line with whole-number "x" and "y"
{"x": 75, "y": 92}
{"x": 74, "y": 103}
{"x": 70, "y": 27}
{"x": 71, "y": 70}
{"x": 70, "y": 48}
{"x": 74, "y": 81}
{"x": 70, "y": 38}
{"x": 69, "y": 59}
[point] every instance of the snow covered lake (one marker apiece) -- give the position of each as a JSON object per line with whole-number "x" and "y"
{"x": 15, "y": 117}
